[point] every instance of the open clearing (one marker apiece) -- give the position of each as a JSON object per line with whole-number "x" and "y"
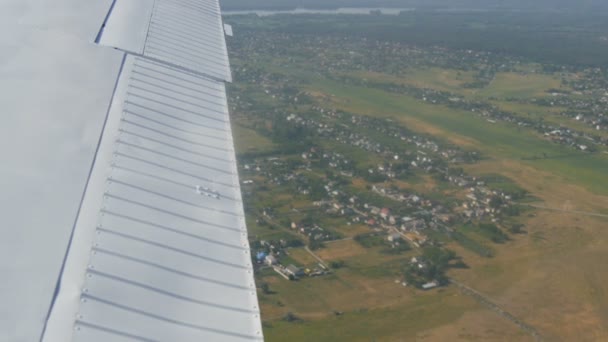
{"x": 248, "y": 140}
{"x": 432, "y": 78}
{"x": 554, "y": 190}
{"x": 376, "y": 309}
{"x": 550, "y": 277}
{"x": 514, "y": 85}
{"x": 340, "y": 250}
{"x": 302, "y": 257}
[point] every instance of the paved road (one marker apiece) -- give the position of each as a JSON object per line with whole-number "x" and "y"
{"x": 493, "y": 306}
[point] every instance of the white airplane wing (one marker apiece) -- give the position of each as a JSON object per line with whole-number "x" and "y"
{"x": 122, "y": 207}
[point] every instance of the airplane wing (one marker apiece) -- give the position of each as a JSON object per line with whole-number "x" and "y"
{"x": 123, "y": 211}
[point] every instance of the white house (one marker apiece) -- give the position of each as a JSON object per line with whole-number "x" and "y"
{"x": 270, "y": 260}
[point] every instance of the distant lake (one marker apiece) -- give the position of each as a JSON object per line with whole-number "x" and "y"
{"x": 346, "y": 10}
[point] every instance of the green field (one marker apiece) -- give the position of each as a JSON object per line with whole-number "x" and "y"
{"x": 547, "y": 114}
{"x": 247, "y": 140}
{"x": 419, "y": 314}
{"x": 498, "y": 140}
{"x": 522, "y": 86}
{"x": 434, "y": 78}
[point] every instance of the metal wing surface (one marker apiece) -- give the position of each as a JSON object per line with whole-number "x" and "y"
{"x": 148, "y": 204}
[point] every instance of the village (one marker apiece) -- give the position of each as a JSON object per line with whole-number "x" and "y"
{"x": 388, "y": 176}
{"x": 397, "y": 219}
{"x": 583, "y": 102}
{"x": 334, "y": 170}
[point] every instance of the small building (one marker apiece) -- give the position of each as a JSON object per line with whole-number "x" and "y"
{"x": 384, "y": 213}
{"x": 294, "y": 270}
{"x": 270, "y": 260}
{"x": 406, "y": 219}
{"x": 429, "y": 285}
{"x": 393, "y": 237}
{"x": 392, "y": 220}
{"x": 260, "y": 256}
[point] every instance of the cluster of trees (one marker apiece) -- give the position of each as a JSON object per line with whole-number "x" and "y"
{"x": 369, "y": 240}
{"x": 336, "y": 264}
{"x": 294, "y": 138}
{"x": 315, "y": 244}
{"x": 493, "y": 233}
{"x": 431, "y": 266}
{"x": 472, "y": 245}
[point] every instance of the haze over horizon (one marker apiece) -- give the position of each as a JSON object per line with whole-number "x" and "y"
{"x": 552, "y": 5}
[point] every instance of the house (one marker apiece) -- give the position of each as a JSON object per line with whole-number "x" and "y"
{"x": 384, "y": 213}
{"x": 393, "y": 237}
{"x": 294, "y": 270}
{"x": 270, "y": 260}
{"x": 260, "y": 256}
{"x": 392, "y": 220}
{"x": 406, "y": 219}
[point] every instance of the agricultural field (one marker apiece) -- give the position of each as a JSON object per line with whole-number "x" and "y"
{"x": 519, "y": 85}
{"x": 322, "y": 140}
{"x": 248, "y": 140}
